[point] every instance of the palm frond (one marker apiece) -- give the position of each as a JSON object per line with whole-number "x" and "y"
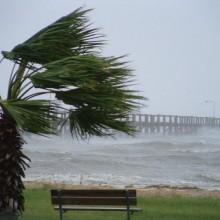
{"x": 87, "y": 121}
{"x": 16, "y": 81}
{"x": 83, "y": 71}
{"x": 89, "y": 80}
{"x": 36, "y": 116}
{"x": 68, "y": 36}
{"x": 71, "y": 71}
{"x": 97, "y": 90}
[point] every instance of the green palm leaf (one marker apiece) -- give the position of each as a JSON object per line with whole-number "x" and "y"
{"x": 68, "y": 36}
{"x": 36, "y": 116}
{"x": 97, "y": 90}
{"x": 89, "y": 121}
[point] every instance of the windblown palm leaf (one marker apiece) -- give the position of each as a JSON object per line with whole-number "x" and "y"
{"x": 88, "y": 121}
{"x": 68, "y": 36}
{"x": 91, "y": 84}
{"x": 35, "y": 116}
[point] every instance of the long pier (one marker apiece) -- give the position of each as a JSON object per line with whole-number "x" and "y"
{"x": 167, "y": 124}
{"x": 171, "y": 124}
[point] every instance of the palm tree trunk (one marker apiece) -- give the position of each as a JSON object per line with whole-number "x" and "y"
{"x": 12, "y": 165}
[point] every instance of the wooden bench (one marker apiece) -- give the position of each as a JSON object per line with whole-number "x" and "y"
{"x": 95, "y": 200}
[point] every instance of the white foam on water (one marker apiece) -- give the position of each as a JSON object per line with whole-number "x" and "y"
{"x": 147, "y": 160}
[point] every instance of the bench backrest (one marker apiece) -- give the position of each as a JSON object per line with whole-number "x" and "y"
{"x": 94, "y": 197}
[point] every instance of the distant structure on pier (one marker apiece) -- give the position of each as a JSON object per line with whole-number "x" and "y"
{"x": 168, "y": 124}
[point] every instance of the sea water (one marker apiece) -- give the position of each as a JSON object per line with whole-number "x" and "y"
{"x": 145, "y": 160}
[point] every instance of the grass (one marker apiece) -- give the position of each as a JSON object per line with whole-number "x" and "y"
{"x": 38, "y": 207}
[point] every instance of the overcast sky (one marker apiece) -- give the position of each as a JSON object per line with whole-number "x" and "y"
{"x": 174, "y": 45}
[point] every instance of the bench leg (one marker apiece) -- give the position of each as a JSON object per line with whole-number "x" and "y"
{"x": 128, "y": 214}
{"x": 61, "y": 213}
{"x": 128, "y": 204}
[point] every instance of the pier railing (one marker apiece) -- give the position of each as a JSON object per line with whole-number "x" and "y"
{"x": 147, "y": 123}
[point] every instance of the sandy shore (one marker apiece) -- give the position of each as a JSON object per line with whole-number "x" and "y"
{"x": 142, "y": 192}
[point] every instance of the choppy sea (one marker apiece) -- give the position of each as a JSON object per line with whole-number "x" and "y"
{"x": 182, "y": 161}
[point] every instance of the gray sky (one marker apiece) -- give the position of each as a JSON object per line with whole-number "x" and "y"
{"x": 174, "y": 45}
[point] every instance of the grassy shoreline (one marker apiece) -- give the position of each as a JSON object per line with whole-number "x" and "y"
{"x": 156, "y": 190}
{"x": 38, "y": 207}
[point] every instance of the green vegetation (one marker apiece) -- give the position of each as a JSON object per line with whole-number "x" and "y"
{"x": 38, "y": 207}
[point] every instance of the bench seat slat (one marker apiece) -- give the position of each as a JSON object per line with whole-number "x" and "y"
{"x": 96, "y": 208}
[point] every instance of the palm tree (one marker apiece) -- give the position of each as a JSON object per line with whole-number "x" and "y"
{"x": 64, "y": 60}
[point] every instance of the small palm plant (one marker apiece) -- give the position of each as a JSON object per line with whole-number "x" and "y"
{"x": 64, "y": 60}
